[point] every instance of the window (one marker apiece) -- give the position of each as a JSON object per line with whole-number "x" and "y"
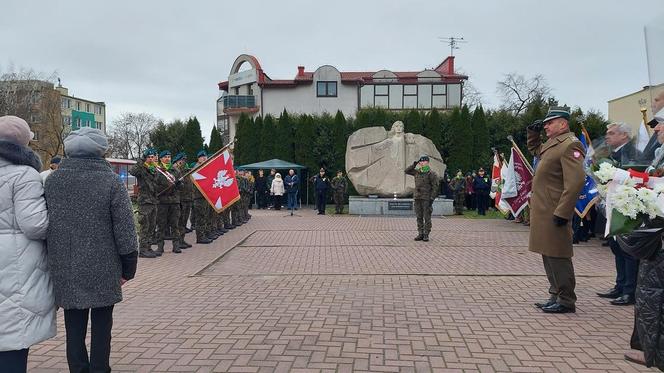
{"x": 410, "y": 97}
{"x": 63, "y": 103}
{"x": 87, "y": 108}
{"x": 424, "y": 96}
{"x": 98, "y": 125}
{"x": 36, "y": 137}
{"x": 66, "y": 120}
{"x": 78, "y": 105}
{"x": 381, "y": 94}
{"x": 326, "y": 89}
{"x": 438, "y": 99}
{"x": 99, "y": 110}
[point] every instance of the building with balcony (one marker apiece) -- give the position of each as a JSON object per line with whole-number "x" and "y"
{"x": 327, "y": 90}
{"x": 79, "y": 112}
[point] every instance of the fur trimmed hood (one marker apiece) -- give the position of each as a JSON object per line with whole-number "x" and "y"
{"x": 19, "y": 155}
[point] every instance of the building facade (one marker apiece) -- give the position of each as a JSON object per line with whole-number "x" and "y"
{"x": 628, "y": 108}
{"x": 79, "y": 112}
{"x": 327, "y": 90}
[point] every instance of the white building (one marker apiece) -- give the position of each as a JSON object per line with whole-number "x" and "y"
{"x": 326, "y": 90}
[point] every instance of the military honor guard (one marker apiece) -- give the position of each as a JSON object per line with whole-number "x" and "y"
{"x": 426, "y": 190}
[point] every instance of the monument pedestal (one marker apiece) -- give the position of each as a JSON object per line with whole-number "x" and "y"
{"x": 359, "y": 205}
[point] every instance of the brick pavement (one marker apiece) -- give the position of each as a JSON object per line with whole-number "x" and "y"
{"x": 342, "y": 293}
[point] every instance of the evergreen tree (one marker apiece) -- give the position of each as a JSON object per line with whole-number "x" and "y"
{"x": 169, "y": 136}
{"x": 267, "y": 139}
{"x": 254, "y": 140}
{"x": 283, "y": 138}
{"x": 215, "y": 140}
{"x": 193, "y": 139}
{"x": 461, "y": 148}
{"x": 242, "y": 142}
{"x": 340, "y": 139}
{"x": 481, "y": 144}
{"x": 323, "y": 152}
{"x": 433, "y": 128}
{"x": 413, "y": 122}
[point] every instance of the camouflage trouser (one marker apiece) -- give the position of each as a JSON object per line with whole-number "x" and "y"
{"x": 168, "y": 216}
{"x": 147, "y": 221}
{"x": 199, "y": 216}
{"x": 423, "y": 212}
{"x": 235, "y": 213}
{"x": 339, "y": 202}
{"x": 459, "y": 201}
{"x": 226, "y": 217}
{"x": 246, "y": 202}
{"x": 185, "y": 211}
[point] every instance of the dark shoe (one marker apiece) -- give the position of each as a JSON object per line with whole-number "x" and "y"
{"x": 558, "y": 308}
{"x": 624, "y": 300}
{"x": 160, "y": 249}
{"x": 419, "y": 237}
{"x": 176, "y": 250}
{"x": 228, "y": 227}
{"x": 154, "y": 252}
{"x": 146, "y": 254}
{"x": 548, "y": 303}
{"x": 188, "y": 230}
{"x": 605, "y": 243}
{"x": 425, "y": 238}
{"x": 575, "y": 241}
{"x": 204, "y": 241}
{"x": 613, "y": 293}
{"x": 184, "y": 245}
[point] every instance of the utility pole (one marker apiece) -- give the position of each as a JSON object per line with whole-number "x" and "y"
{"x": 453, "y": 42}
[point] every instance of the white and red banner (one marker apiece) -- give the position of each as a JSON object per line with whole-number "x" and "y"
{"x": 518, "y": 183}
{"x": 216, "y": 181}
{"x": 496, "y": 183}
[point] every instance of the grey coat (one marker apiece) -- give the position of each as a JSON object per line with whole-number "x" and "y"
{"x": 91, "y": 225}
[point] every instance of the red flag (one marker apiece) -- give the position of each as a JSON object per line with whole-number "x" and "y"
{"x": 216, "y": 181}
{"x": 523, "y": 179}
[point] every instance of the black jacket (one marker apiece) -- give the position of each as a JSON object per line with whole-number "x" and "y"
{"x": 482, "y": 184}
{"x": 650, "y": 309}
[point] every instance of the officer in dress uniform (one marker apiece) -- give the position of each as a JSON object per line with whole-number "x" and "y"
{"x": 557, "y": 184}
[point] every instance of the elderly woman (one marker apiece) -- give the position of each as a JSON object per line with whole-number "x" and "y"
{"x": 277, "y": 190}
{"x": 92, "y": 245}
{"x": 27, "y": 310}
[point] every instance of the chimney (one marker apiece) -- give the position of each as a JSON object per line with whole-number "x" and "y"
{"x": 450, "y": 65}
{"x": 300, "y": 71}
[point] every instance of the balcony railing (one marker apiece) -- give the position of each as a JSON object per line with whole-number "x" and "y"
{"x": 232, "y": 102}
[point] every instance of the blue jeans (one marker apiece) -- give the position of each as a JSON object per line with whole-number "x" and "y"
{"x": 292, "y": 200}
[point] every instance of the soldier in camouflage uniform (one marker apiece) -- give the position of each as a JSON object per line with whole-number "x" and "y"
{"x": 251, "y": 185}
{"x": 426, "y": 191}
{"x": 200, "y": 213}
{"x": 186, "y": 197}
{"x": 458, "y": 186}
{"x": 168, "y": 212}
{"x": 147, "y": 202}
{"x": 339, "y": 188}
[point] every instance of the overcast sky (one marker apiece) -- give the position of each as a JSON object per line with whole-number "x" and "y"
{"x": 165, "y": 57}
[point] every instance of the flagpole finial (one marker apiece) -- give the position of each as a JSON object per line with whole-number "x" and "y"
{"x": 510, "y": 138}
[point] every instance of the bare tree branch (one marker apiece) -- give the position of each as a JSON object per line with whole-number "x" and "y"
{"x": 517, "y": 91}
{"x": 129, "y": 135}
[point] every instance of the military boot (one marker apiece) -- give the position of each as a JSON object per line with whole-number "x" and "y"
{"x": 419, "y": 237}
{"x": 176, "y": 247}
{"x": 146, "y": 253}
{"x": 160, "y": 248}
{"x": 154, "y": 252}
{"x": 425, "y": 237}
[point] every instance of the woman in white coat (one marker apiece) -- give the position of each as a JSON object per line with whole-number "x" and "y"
{"x": 277, "y": 190}
{"x": 27, "y": 304}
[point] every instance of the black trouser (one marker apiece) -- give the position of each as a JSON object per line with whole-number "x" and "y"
{"x": 276, "y": 199}
{"x": 321, "y": 199}
{"x": 560, "y": 273}
{"x": 76, "y": 326}
{"x": 482, "y": 197}
{"x": 626, "y": 269}
{"x": 14, "y": 361}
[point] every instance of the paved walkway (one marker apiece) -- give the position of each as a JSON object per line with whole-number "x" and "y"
{"x": 344, "y": 293}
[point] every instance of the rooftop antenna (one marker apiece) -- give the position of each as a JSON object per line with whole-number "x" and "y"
{"x": 453, "y": 42}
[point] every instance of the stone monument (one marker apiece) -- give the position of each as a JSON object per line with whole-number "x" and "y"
{"x": 376, "y": 160}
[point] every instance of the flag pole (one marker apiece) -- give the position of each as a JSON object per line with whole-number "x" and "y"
{"x": 525, "y": 160}
{"x": 199, "y": 166}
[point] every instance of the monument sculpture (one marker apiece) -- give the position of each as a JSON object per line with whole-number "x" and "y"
{"x": 376, "y": 160}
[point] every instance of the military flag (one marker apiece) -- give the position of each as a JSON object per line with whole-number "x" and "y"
{"x": 518, "y": 182}
{"x": 215, "y": 179}
{"x": 496, "y": 182}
